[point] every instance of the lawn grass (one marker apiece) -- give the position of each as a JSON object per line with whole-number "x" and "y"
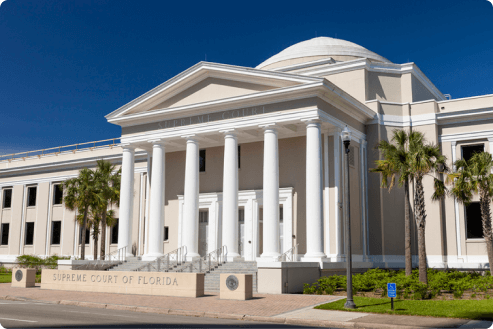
{"x": 7, "y": 278}
{"x": 464, "y": 309}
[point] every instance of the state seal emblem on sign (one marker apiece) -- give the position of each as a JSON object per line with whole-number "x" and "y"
{"x": 18, "y": 275}
{"x": 232, "y": 282}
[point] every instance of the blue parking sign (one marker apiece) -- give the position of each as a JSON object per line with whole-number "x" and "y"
{"x": 391, "y": 290}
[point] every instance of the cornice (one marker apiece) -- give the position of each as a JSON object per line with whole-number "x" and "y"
{"x": 363, "y": 63}
{"x": 204, "y": 69}
{"x": 483, "y": 134}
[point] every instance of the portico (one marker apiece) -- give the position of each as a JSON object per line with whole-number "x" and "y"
{"x": 280, "y": 113}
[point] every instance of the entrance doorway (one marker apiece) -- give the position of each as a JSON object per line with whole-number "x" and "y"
{"x": 203, "y": 231}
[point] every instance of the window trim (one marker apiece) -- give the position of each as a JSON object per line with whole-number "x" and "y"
{"x": 54, "y": 195}
{"x": 27, "y": 196}
{"x": 51, "y": 233}
{"x": 11, "y": 189}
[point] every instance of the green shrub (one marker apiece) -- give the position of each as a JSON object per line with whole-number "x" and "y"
{"x": 407, "y": 286}
{"x": 31, "y": 261}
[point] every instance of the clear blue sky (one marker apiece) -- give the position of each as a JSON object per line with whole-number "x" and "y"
{"x": 64, "y": 64}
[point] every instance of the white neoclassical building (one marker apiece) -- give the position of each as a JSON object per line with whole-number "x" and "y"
{"x": 252, "y": 159}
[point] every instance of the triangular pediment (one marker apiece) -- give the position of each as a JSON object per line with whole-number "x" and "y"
{"x": 211, "y": 89}
{"x": 205, "y": 83}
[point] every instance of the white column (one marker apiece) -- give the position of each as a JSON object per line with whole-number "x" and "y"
{"x": 191, "y": 196}
{"x": 126, "y": 199}
{"x": 363, "y": 188}
{"x": 456, "y": 207}
{"x": 230, "y": 196}
{"x": 326, "y": 196}
{"x": 337, "y": 197}
{"x": 490, "y": 141}
{"x": 156, "y": 203}
{"x": 148, "y": 202}
{"x": 271, "y": 194}
{"x": 314, "y": 193}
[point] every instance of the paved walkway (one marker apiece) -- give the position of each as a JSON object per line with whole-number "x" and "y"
{"x": 288, "y": 309}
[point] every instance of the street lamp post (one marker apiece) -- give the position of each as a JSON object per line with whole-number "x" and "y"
{"x": 346, "y": 138}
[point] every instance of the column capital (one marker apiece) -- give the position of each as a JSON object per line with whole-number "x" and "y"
{"x": 192, "y": 138}
{"x": 269, "y": 126}
{"x": 490, "y": 139}
{"x": 158, "y": 141}
{"x": 128, "y": 146}
{"x": 229, "y": 132}
{"x": 315, "y": 120}
{"x": 453, "y": 143}
{"x": 363, "y": 142}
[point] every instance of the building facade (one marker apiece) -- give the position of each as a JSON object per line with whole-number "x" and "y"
{"x": 252, "y": 159}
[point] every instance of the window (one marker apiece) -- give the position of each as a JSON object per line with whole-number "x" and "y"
{"x": 474, "y": 225}
{"x": 281, "y": 214}
{"x": 204, "y": 216}
{"x": 166, "y": 233}
{"x": 114, "y": 233}
{"x": 5, "y": 234}
{"x": 88, "y": 233}
{"x": 239, "y": 156}
{"x": 29, "y": 234}
{"x": 241, "y": 215}
{"x": 7, "y": 198}
{"x": 202, "y": 161}
{"x": 57, "y": 194}
{"x": 469, "y": 150}
{"x": 56, "y": 232}
{"x": 31, "y": 196}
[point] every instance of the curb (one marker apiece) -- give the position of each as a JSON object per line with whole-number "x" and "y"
{"x": 243, "y": 317}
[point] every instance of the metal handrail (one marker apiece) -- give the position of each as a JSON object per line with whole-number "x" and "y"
{"x": 110, "y": 260}
{"x": 167, "y": 262}
{"x": 58, "y": 149}
{"x": 206, "y": 263}
{"x": 289, "y": 256}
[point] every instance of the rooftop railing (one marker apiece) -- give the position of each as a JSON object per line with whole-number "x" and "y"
{"x": 53, "y": 151}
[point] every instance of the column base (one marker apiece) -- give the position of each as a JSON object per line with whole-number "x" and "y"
{"x": 314, "y": 257}
{"x": 151, "y": 256}
{"x": 231, "y": 257}
{"x": 269, "y": 257}
{"x": 190, "y": 257}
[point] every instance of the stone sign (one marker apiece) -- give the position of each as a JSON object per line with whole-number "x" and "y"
{"x": 236, "y": 286}
{"x": 139, "y": 283}
{"x": 23, "y": 277}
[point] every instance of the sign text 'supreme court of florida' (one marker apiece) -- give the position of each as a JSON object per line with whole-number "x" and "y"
{"x": 137, "y": 283}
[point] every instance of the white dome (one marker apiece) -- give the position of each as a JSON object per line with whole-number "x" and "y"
{"x": 323, "y": 46}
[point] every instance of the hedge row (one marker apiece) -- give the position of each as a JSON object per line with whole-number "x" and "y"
{"x": 407, "y": 286}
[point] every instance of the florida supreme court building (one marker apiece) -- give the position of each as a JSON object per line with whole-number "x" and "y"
{"x": 252, "y": 159}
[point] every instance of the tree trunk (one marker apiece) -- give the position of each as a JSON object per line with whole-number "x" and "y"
{"x": 83, "y": 242}
{"x": 407, "y": 231}
{"x": 487, "y": 229}
{"x": 95, "y": 243}
{"x": 420, "y": 214}
{"x": 103, "y": 233}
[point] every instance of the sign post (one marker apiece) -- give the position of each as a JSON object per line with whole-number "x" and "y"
{"x": 392, "y": 293}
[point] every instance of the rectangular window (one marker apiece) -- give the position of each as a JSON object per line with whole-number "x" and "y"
{"x": 57, "y": 194}
{"x": 114, "y": 233}
{"x": 469, "y": 150}
{"x": 202, "y": 161}
{"x": 7, "y": 198}
{"x": 5, "y": 234}
{"x": 88, "y": 233}
{"x": 239, "y": 156}
{"x": 474, "y": 225}
{"x": 166, "y": 233}
{"x": 31, "y": 196}
{"x": 56, "y": 232}
{"x": 29, "y": 234}
{"x": 241, "y": 215}
{"x": 204, "y": 216}
{"x": 281, "y": 214}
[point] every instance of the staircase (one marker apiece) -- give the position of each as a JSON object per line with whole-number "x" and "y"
{"x": 131, "y": 264}
{"x": 212, "y": 279}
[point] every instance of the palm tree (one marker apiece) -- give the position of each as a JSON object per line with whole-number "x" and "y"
{"x": 395, "y": 163}
{"x": 93, "y": 220}
{"x": 79, "y": 194}
{"x": 107, "y": 184}
{"x": 474, "y": 176}
{"x": 425, "y": 160}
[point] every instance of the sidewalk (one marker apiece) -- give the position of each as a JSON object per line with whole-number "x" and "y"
{"x": 288, "y": 309}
